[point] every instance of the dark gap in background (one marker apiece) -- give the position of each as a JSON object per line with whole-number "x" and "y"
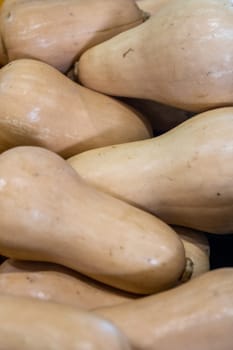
{"x": 221, "y": 250}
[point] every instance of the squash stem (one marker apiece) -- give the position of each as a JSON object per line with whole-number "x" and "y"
{"x": 188, "y": 271}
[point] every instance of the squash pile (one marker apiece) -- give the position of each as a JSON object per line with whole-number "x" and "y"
{"x": 116, "y": 159}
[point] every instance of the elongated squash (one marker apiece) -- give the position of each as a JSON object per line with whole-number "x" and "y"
{"x": 56, "y": 283}
{"x": 196, "y": 316}
{"x": 27, "y": 324}
{"x": 184, "y": 176}
{"x": 181, "y": 57}
{"x": 58, "y": 31}
{"x": 48, "y": 213}
{"x": 40, "y": 106}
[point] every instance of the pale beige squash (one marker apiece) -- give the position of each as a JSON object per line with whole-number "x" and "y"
{"x": 181, "y": 57}
{"x": 56, "y": 283}
{"x": 58, "y": 31}
{"x": 27, "y": 324}
{"x": 48, "y": 213}
{"x": 184, "y": 176}
{"x": 40, "y": 106}
{"x": 196, "y": 316}
{"x": 152, "y": 6}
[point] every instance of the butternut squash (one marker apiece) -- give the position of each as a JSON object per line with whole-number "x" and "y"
{"x": 184, "y": 176}
{"x": 58, "y": 31}
{"x": 56, "y": 283}
{"x": 27, "y": 324}
{"x": 48, "y": 213}
{"x": 197, "y": 249}
{"x": 196, "y": 316}
{"x": 42, "y": 107}
{"x": 181, "y": 57}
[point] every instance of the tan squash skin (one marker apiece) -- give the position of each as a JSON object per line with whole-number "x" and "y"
{"x": 58, "y": 31}
{"x": 184, "y": 176}
{"x": 181, "y": 57}
{"x": 48, "y": 213}
{"x": 3, "y": 11}
{"x": 56, "y": 283}
{"x": 27, "y": 324}
{"x": 197, "y": 316}
{"x": 152, "y": 6}
{"x": 42, "y": 107}
{"x": 196, "y": 247}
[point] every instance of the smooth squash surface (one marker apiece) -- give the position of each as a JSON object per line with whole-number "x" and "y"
{"x": 184, "y": 176}
{"x": 196, "y": 316}
{"x": 56, "y": 283}
{"x": 28, "y": 324}
{"x": 181, "y": 57}
{"x": 58, "y": 31}
{"x": 48, "y": 213}
{"x": 40, "y": 106}
{"x": 152, "y": 6}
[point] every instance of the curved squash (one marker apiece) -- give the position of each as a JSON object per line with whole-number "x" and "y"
{"x": 27, "y": 324}
{"x": 58, "y": 31}
{"x": 180, "y": 57}
{"x": 40, "y": 106}
{"x": 56, "y": 283}
{"x": 196, "y": 316}
{"x": 48, "y": 213}
{"x": 184, "y": 176}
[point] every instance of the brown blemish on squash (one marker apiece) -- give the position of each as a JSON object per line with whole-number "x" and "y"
{"x": 202, "y": 95}
{"x": 35, "y": 174}
{"x": 127, "y": 52}
{"x": 30, "y": 279}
